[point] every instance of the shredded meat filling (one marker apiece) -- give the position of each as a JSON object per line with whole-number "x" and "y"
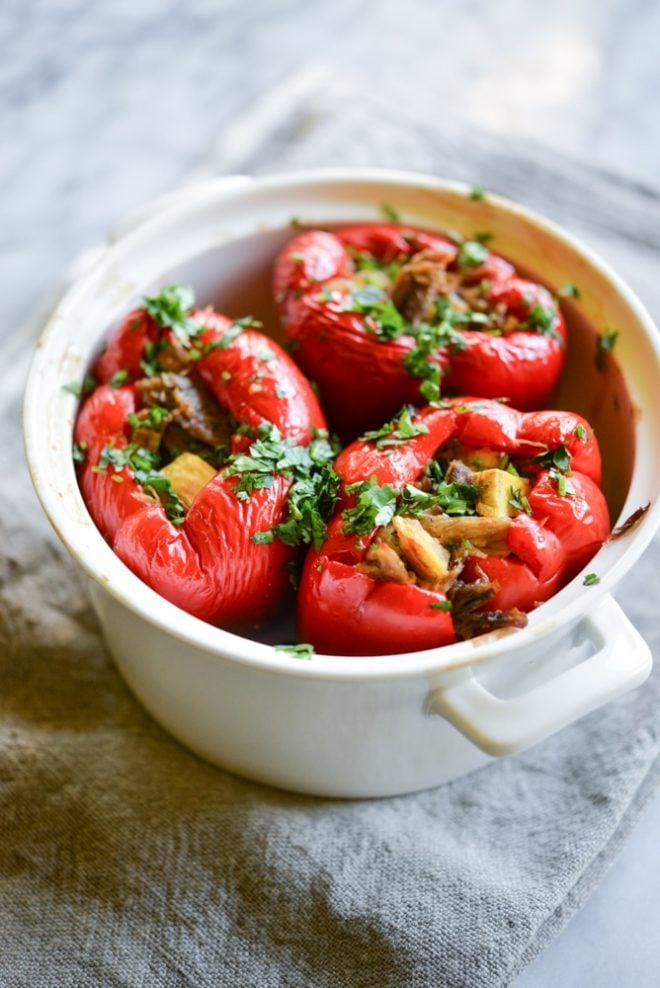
{"x": 190, "y": 404}
{"x": 419, "y": 282}
{"x": 469, "y": 619}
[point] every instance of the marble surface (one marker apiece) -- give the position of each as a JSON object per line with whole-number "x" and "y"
{"x": 106, "y": 105}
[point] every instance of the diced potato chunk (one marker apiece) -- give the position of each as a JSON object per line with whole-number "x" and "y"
{"x": 188, "y": 474}
{"x": 496, "y": 487}
{"x": 481, "y": 459}
{"x": 457, "y": 534}
{"x": 424, "y": 554}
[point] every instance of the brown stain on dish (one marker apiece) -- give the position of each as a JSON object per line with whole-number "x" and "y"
{"x": 631, "y": 522}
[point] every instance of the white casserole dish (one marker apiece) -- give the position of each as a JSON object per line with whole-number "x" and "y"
{"x": 343, "y": 726}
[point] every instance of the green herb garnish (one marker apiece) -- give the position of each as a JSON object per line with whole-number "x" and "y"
{"x": 302, "y": 651}
{"x": 558, "y": 458}
{"x": 79, "y": 452}
{"x": 376, "y": 505}
{"x": 477, "y": 193}
{"x": 313, "y": 493}
{"x": 80, "y": 388}
{"x": 144, "y": 466}
{"x": 471, "y": 254}
{"x": 569, "y": 290}
{"x": 590, "y": 580}
{"x": 604, "y": 345}
{"x": 389, "y": 212}
{"x": 121, "y": 377}
{"x": 518, "y": 501}
{"x": 171, "y": 310}
{"x": 543, "y": 319}
{"x": 441, "y": 605}
{"x": 400, "y": 430}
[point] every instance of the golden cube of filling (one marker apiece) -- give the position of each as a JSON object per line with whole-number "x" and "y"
{"x": 187, "y": 474}
{"x": 496, "y": 490}
{"x": 424, "y": 554}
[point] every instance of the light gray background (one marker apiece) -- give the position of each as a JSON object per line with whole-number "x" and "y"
{"x": 106, "y": 105}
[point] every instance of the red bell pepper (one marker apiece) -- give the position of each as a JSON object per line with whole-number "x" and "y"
{"x": 342, "y": 609}
{"x": 361, "y": 360}
{"x": 209, "y": 565}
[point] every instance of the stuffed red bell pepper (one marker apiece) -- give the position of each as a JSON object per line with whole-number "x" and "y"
{"x": 378, "y": 314}
{"x": 190, "y": 447}
{"x": 454, "y": 521}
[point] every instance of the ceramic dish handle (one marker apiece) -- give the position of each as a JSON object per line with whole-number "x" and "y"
{"x": 622, "y": 660}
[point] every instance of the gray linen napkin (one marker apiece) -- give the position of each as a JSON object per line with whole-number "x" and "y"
{"x": 127, "y": 861}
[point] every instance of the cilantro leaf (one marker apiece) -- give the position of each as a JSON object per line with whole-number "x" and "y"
{"x": 604, "y": 345}
{"x": 558, "y": 458}
{"x": 313, "y": 492}
{"x": 143, "y": 464}
{"x": 400, "y": 430}
{"x": 543, "y": 319}
{"x": 119, "y": 378}
{"x": 375, "y": 505}
{"x": 569, "y": 290}
{"x": 471, "y": 254}
{"x": 389, "y": 212}
{"x": 80, "y": 388}
{"x": 301, "y": 651}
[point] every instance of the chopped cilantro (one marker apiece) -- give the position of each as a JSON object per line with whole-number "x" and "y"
{"x": 569, "y": 290}
{"x": 441, "y": 605}
{"x": 518, "y": 501}
{"x": 375, "y": 505}
{"x": 313, "y": 493}
{"x": 590, "y": 580}
{"x": 389, "y": 212}
{"x": 453, "y": 499}
{"x": 301, "y": 651}
{"x": 296, "y": 222}
{"x": 580, "y": 432}
{"x": 558, "y": 458}
{"x": 543, "y": 319}
{"x": 604, "y": 345}
{"x": 263, "y": 538}
{"x": 564, "y": 486}
{"x": 121, "y": 377}
{"x": 477, "y": 193}
{"x": 171, "y": 310}
{"x": 80, "y": 388}
{"x": 149, "y": 363}
{"x": 144, "y": 467}
{"x": 79, "y": 452}
{"x": 471, "y": 254}
{"x": 155, "y": 414}
{"x": 399, "y": 430}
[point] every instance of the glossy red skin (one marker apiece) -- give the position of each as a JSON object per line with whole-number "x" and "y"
{"x": 344, "y": 612}
{"x": 363, "y": 382}
{"x": 209, "y": 566}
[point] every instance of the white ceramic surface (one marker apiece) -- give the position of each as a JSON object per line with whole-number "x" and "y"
{"x": 339, "y": 725}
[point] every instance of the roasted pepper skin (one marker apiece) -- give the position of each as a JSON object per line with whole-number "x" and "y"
{"x": 343, "y": 611}
{"x": 209, "y": 566}
{"x": 363, "y": 381}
